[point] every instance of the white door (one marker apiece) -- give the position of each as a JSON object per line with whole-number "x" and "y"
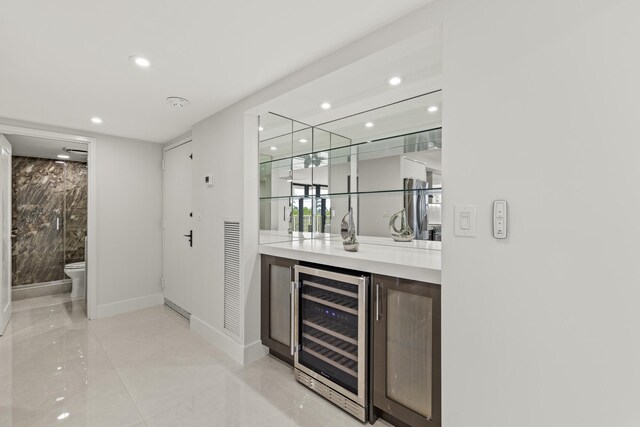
{"x": 178, "y": 226}
{"x": 5, "y": 221}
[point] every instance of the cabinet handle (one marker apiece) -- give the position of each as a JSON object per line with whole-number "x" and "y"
{"x": 293, "y": 321}
{"x": 377, "y": 301}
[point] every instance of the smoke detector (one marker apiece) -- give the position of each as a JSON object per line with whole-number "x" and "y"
{"x": 177, "y": 102}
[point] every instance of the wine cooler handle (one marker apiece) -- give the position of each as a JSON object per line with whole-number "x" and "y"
{"x": 377, "y": 301}
{"x": 293, "y": 320}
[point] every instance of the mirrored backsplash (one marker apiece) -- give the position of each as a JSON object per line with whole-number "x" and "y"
{"x": 384, "y": 164}
{"x": 49, "y": 220}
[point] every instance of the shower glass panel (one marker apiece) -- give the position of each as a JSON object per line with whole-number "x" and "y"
{"x": 75, "y": 211}
{"x": 49, "y": 201}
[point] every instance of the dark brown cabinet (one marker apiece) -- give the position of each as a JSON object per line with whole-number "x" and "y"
{"x": 406, "y": 351}
{"x": 275, "y": 318}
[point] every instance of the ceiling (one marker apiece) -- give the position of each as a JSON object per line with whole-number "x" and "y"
{"x": 29, "y": 146}
{"x": 363, "y": 84}
{"x": 66, "y": 61}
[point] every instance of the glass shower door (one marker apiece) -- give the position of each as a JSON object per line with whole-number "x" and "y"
{"x": 38, "y": 220}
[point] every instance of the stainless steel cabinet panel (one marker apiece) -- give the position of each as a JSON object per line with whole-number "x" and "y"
{"x": 410, "y": 350}
{"x": 280, "y": 304}
{"x": 406, "y": 350}
{"x": 275, "y": 306}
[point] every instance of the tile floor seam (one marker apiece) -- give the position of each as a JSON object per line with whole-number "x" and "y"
{"x": 247, "y": 424}
{"x": 144, "y": 420}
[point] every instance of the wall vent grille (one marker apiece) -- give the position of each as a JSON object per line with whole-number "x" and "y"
{"x": 232, "y": 277}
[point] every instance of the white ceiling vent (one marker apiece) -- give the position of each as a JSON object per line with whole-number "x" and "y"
{"x": 177, "y": 102}
{"x": 232, "y": 277}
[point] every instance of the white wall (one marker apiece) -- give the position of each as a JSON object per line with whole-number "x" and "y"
{"x": 542, "y": 329}
{"x": 129, "y": 204}
{"x": 226, "y": 144}
{"x": 129, "y": 191}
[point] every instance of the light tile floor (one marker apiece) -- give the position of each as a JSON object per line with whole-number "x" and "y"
{"x": 141, "y": 368}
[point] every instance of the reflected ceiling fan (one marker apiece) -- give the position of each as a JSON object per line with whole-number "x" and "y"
{"x": 314, "y": 160}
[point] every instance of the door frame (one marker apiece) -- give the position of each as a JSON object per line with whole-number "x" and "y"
{"x": 6, "y": 307}
{"x": 166, "y": 148}
{"x": 92, "y": 208}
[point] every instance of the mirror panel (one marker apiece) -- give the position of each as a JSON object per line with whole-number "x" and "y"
{"x": 275, "y": 216}
{"x": 378, "y": 162}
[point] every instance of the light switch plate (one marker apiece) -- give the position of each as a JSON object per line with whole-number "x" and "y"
{"x": 465, "y": 220}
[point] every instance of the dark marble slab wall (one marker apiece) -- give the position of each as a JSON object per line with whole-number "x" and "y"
{"x": 49, "y": 218}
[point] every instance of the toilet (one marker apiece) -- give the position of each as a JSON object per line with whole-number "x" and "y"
{"x": 76, "y": 272}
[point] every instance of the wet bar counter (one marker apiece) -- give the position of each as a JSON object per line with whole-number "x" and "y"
{"x": 419, "y": 261}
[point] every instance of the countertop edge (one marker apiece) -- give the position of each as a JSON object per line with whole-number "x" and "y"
{"x": 410, "y": 272}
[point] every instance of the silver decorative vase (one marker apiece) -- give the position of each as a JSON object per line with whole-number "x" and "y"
{"x": 348, "y": 232}
{"x": 404, "y": 233}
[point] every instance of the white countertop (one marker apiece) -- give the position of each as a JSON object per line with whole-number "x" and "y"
{"x": 402, "y": 261}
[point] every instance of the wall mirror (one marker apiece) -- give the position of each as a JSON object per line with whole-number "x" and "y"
{"x": 378, "y": 162}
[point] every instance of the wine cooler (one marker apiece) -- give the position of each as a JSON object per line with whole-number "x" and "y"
{"x": 329, "y": 336}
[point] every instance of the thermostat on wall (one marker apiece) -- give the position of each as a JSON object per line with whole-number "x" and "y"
{"x": 209, "y": 180}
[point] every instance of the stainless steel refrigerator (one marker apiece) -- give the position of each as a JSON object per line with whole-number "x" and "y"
{"x": 416, "y": 205}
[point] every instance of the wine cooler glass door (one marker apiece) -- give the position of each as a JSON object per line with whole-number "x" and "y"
{"x": 331, "y": 329}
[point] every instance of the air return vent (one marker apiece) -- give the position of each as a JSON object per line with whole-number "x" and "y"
{"x": 232, "y": 276}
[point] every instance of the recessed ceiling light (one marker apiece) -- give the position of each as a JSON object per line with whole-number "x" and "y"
{"x": 96, "y": 120}
{"x": 140, "y": 61}
{"x": 303, "y": 140}
{"x": 325, "y": 105}
{"x": 274, "y": 148}
{"x": 260, "y": 128}
{"x": 63, "y": 156}
{"x": 433, "y": 109}
{"x": 63, "y": 415}
{"x": 369, "y": 124}
{"x": 395, "y": 81}
{"x": 60, "y": 161}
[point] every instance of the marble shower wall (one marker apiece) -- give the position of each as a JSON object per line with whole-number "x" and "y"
{"x": 49, "y": 218}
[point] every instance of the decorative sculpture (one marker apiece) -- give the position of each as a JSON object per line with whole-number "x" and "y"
{"x": 405, "y": 233}
{"x": 348, "y": 232}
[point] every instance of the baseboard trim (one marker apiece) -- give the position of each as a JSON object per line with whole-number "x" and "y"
{"x": 219, "y": 339}
{"x": 254, "y": 351}
{"x": 241, "y": 354}
{"x": 114, "y": 308}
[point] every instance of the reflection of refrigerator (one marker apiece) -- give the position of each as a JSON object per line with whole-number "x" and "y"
{"x": 416, "y": 204}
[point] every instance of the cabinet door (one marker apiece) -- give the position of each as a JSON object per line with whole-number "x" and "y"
{"x": 406, "y": 350}
{"x": 276, "y": 278}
